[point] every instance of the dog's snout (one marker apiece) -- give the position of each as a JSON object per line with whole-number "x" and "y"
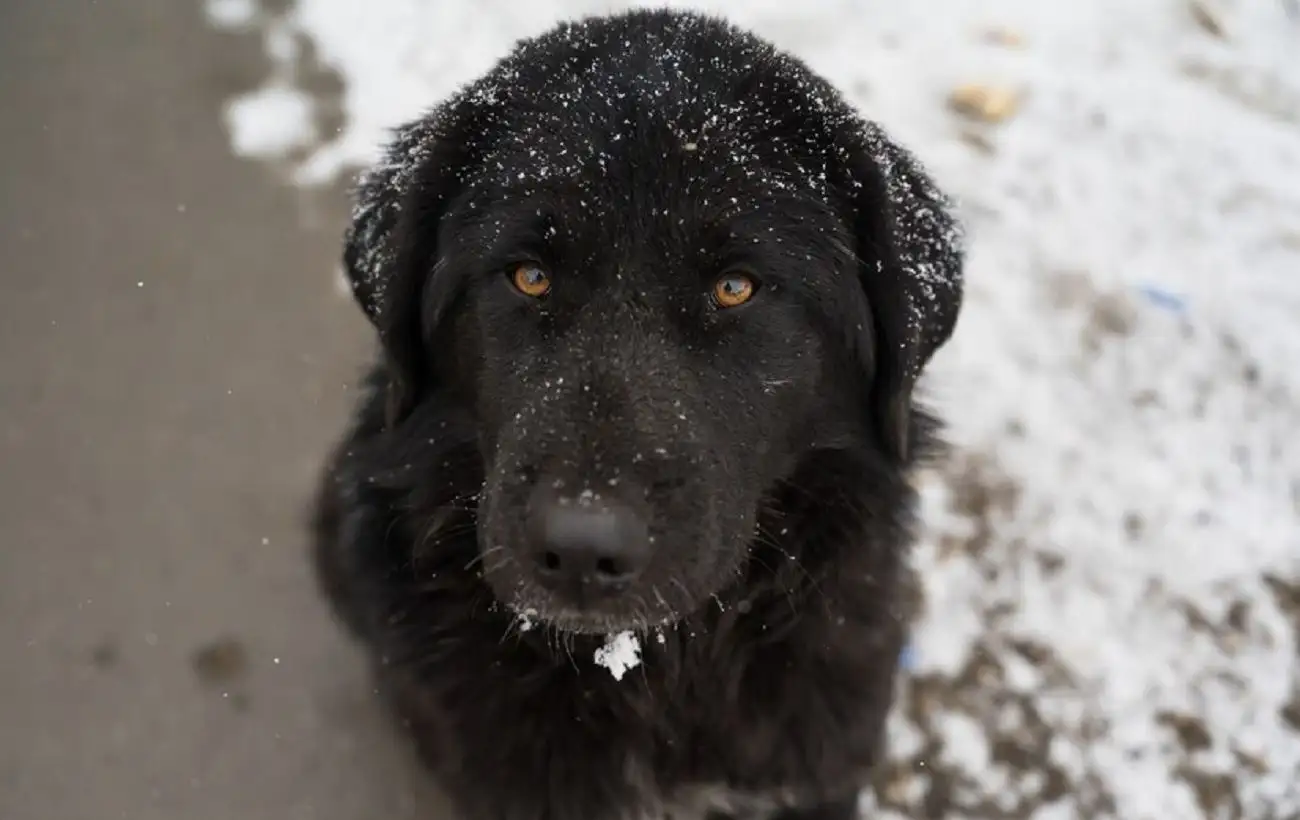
{"x": 587, "y": 549}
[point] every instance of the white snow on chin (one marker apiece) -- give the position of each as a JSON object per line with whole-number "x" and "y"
{"x": 621, "y": 652}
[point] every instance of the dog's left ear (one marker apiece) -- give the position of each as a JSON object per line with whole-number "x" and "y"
{"x": 909, "y": 247}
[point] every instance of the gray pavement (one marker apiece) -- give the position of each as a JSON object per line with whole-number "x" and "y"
{"x": 173, "y": 364}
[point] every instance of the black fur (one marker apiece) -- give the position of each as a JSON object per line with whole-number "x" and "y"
{"x": 766, "y": 447}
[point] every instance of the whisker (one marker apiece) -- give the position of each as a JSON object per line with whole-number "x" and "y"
{"x": 659, "y": 596}
{"x": 483, "y": 555}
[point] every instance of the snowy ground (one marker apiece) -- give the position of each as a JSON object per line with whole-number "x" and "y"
{"x": 1111, "y": 621}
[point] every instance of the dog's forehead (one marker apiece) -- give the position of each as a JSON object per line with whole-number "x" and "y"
{"x": 672, "y": 149}
{"x": 697, "y": 105}
{"x": 685, "y": 176}
{"x": 615, "y": 150}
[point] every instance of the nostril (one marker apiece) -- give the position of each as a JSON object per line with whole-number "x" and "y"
{"x": 551, "y": 560}
{"x": 609, "y": 568}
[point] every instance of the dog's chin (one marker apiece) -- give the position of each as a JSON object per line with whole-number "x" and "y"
{"x": 586, "y": 622}
{"x": 543, "y": 611}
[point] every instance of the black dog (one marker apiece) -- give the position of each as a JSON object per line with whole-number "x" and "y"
{"x": 652, "y": 302}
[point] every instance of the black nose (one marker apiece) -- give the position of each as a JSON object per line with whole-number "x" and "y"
{"x": 587, "y": 548}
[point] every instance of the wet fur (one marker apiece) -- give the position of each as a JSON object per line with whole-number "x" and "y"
{"x": 767, "y": 691}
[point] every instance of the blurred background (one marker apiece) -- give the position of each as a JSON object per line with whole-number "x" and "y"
{"x": 1111, "y": 561}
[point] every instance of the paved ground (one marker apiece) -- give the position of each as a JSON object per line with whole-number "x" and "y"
{"x": 171, "y": 369}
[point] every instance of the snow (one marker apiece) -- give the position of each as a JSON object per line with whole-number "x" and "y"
{"x": 621, "y": 652}
{"x": 1112, "y": 557}
{"x": 270, "y": 122}
{"x": 231, "y": 13}
{"x": 526, "y": 621}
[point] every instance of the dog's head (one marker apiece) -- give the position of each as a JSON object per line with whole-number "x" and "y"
{"x": 658, "y": 263}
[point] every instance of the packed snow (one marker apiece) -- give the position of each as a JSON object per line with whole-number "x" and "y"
{"x": 271, "y": 122}
{"x": 1111, "y": 564}
{"x": 232, "y": 13}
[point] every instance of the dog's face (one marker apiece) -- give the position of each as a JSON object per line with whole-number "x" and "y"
{"x": 645, "y": 355}
{"x": 647, "y": 289}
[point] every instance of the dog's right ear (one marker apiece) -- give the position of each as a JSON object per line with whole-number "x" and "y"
{"x": 912, "y": 258}
{"x": 390, "y": 253}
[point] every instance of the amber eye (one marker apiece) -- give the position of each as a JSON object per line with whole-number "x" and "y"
{"x": 734, "y": 290}
{"x": 531, "y": 280}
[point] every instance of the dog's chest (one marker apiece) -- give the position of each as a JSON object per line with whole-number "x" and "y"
{"x": 706, "y": 800}
{"x": 701, "y": 800}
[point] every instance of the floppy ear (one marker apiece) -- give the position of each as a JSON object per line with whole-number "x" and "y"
{"x": 911, "y": 257}
{"x": 390, "y": 250}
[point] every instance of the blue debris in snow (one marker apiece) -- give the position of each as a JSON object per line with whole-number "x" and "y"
{"x": 907, "y": 658}
{"x": 1164, "y": 299}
